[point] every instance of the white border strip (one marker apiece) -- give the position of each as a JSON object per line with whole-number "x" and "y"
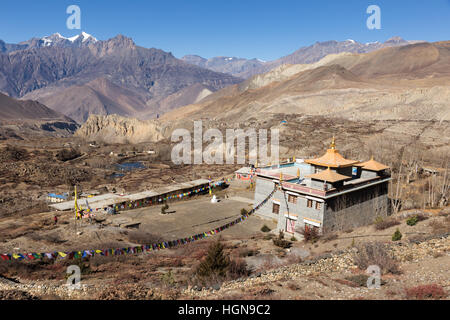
{"x": 306, "y": 220}
{"x": 315, "y": 199}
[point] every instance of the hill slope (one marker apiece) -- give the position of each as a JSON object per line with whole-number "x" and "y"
{"x": 150, "y": 74}
{"x": 12, "y": 109}
{"x": 22, "y": 119}
{"x": 246, "y": 68}
{"x": 99, "y": 96}
{"x": 408, "y": 82}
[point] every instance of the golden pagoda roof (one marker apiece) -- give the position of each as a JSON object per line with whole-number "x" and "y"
{"x": 372, "y": 165}
{"x": 332, "y": 159}
{"x": 329, "y": 176}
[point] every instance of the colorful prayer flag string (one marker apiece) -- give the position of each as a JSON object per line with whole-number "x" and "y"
{"x": 132, "y": 250}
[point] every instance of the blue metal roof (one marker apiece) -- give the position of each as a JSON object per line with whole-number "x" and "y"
{"x": 59, "y": 196}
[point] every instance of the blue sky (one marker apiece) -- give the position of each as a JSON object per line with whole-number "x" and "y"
{"x": 243, "y": 28}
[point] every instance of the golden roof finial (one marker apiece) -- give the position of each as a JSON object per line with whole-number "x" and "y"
{"x": 293, "y": 159}
{"x": 371, "y": 158}
{"x": 298, "y": 172}
{"x": 281, "y": 176}
{"x": 333, "y": 143}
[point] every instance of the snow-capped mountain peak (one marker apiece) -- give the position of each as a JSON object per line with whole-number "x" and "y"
{"x": 57, "y": 39}
{"x": 84, "y": 37}
{"x": 72, "y": 39}
{"x": 87, "y": 36}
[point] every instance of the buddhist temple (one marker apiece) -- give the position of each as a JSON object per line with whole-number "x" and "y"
{"x": 328, "y": 175}
{"x": 332, "y": 158}
{"x": 372, "y": 165}
{"x": 328, "y": 193}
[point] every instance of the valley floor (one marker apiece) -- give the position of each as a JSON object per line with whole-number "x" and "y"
{"x": 321, "y": 270}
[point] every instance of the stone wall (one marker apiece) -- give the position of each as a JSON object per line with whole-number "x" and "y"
{"x": 299, "y": 209}
{"x": 357, "y": 208}
{"x": 350, "y": 210}
{"x": 262, "y": 189}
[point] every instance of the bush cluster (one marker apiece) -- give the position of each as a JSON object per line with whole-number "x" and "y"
{"x": 216, "y": 266}
{"x": 280, "y": 242}
{"x": 164, "y": 208}
{"x": 375, "y": 253}
{"x": 310, "y": 234}
{"x": 412, "y": 221}
{"x": 381, "y": 224}
{"x": 397, "y": 235}
{"x": 429, "y": 291}
{"x": 244, "y": 212}
{"x": 67, "y": 154}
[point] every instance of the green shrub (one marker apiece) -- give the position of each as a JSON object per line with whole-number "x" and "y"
{"x": 280, "y": 242}
{"x": 67, "y": 154}
{"x": 168, "y": 279}
{"x": 265, "y": 228}
{"x": 397, "y": 235}
{"x": 412, "y": 221}
{"x": 164, "y": 208}
{"x": 378, "y": 219}
{"x": 244, "y": 212}
{"x": 293, "y": 239}
{"x": 415, "y": 219}
{"x": 216, "y": 263}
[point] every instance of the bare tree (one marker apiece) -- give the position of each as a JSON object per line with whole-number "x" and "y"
{"x": 445, "y": 188}
{"x": 396, "y": 197}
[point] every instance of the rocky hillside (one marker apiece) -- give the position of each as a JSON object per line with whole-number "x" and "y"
{"x": 396, "y": 93}
{"x": 117, "y": 129}
{"x": 408, "y": 82}
{"x": 12, "y": 109}
{"x": 45, "y": 66}
{"x": 55, "y": 40}
{"x": 245, "y": 68}
{"x": 238, "y": 67}
{"x": 320, "y": 50}
{"x": 22, "y": 118}
{"x": 100, "y": 96}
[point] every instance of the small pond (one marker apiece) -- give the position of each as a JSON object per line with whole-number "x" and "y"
{"x": 129, "y": 166}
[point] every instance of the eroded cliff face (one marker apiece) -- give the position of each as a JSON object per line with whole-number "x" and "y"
{"x": 117, "y": 129}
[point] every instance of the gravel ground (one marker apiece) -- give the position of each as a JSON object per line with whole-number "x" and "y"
{"x": 426, "y": 262}
{"x": 322, "y": 278}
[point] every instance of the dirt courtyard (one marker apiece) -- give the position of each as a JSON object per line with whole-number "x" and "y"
{"x": 186, "y": 218}
{"x": 38, "y": 233}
